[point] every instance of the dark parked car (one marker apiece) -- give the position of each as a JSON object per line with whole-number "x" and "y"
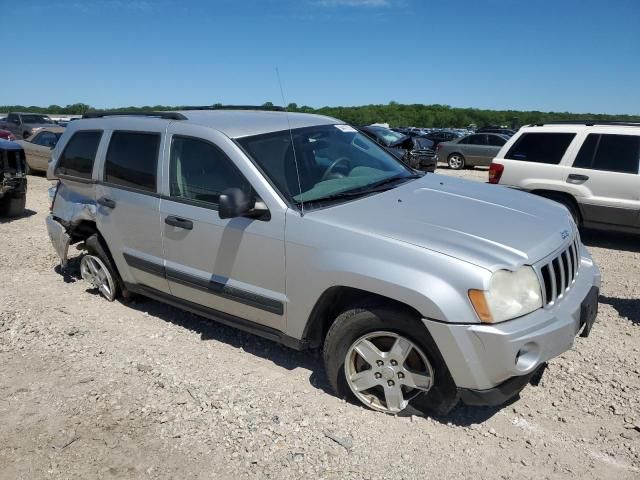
{"x": 439, "y": 136}
{"x": 13, "y": 179}
{"x": 416, "y": 152}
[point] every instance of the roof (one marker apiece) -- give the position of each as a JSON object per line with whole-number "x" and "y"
{"x": 244, "y": 123}
{"x": 7, "y": 145}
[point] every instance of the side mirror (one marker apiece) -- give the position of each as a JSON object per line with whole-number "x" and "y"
{"x": 234, "y": 202}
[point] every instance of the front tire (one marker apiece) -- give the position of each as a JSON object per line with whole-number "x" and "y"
{"x": 385, "y": 359}
{"x": 456, "y": 161}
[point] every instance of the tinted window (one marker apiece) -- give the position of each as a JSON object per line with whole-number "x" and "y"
{"x": 36, "y": 119}
{"x": 132, "y": 160}
{"x": 496, "y": 141}
{"x": 79, "y": 154}
{"x": 614, "y": 153}
{"x": 478, "y": 139}
{"x": 587, "y": 151}
{"x": 200, "y": 171}
{"x": 540, "y": 147}
{"x": 47, "y": 139}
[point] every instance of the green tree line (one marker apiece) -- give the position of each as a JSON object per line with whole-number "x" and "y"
{"x": 393, "y": 113}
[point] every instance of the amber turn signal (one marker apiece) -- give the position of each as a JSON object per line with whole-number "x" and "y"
{"x": 480, "y": 305}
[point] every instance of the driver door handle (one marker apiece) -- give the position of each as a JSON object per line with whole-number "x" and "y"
{"x": 179, "y": 222}
{"x": 577, "y": 179}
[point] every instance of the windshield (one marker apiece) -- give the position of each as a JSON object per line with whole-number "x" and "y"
{"x": 36, "y": 119}
{"x": 331, "y": 160}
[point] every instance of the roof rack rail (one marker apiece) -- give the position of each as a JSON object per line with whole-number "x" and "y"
{"x": 133, "y": 113}
{"x": 272, "y": 108}
{"x": 588, "y": 123}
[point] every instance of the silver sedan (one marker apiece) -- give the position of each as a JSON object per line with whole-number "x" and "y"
{"x": 477, "y": 149}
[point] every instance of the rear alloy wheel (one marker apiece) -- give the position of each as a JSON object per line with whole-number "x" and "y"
{"x": 385, "y": 371}
{"x": 94, "y": 271}
{"x": 456, "y": 161}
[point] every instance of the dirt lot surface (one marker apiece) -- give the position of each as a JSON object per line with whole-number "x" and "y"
{"x": 91, "y": 389}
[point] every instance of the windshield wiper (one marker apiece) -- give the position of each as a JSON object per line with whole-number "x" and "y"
{"x": 375, "y": 186}
{"x": 379, "y": 186}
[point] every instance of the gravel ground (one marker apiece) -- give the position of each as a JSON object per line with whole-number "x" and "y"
{"x": 91, "y": 389}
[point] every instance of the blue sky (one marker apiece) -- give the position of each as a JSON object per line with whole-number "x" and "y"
{"x": 562, "y": 55}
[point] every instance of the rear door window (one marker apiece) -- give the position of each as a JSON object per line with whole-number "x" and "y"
{"x": 79, "y": 154}
{"x": 613, "y": 153}
{"x": 132, "y": 160}
{"x": 540, "y": 147}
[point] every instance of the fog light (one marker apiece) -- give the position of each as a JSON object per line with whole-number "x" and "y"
{"x": 527, "y": 357}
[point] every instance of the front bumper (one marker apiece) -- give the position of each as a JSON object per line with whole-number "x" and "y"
{"x": 499, "y": 359}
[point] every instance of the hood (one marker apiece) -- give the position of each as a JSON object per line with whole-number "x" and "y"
{"x": 487, "y": 225}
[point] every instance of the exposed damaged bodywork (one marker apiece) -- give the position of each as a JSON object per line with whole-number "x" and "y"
{"x": 73, "y": 221}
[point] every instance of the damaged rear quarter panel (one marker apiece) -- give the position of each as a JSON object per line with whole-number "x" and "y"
{"x": 75, "y": 203}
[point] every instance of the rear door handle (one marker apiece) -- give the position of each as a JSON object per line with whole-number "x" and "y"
{"x": 179, "y": 222}
{"x": 106, "y": 202}
{"x": 576, "y": 178}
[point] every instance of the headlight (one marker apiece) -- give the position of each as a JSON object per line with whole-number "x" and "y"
{"x": 510, "y": 295}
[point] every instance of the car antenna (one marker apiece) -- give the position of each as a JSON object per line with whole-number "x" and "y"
{"x": 293, "y": 146}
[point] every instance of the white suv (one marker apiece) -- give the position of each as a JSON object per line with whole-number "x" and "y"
{"x": 591, "y": 168}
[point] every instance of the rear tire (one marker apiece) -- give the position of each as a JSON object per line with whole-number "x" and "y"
{"x": 420, "y": 379}
{"x": 13, "y": 206}
{"x": 456, "y": 161}
{"x": 96, "y": 248}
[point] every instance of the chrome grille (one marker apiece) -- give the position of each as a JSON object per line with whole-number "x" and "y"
{"x": 558, "y": 274}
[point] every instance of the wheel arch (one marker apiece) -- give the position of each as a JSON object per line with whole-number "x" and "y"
{"x": 558, "y": 196}
{"x": 335, "y": 300}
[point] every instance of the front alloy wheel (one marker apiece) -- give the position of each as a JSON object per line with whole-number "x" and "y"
{"x": 385, "y": 371}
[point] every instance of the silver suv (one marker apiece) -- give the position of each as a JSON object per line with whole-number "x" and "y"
{"x": 299, "y": 228}
{"x": 592, "y": 168}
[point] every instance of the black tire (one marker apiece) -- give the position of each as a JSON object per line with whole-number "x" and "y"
{"x": 95, "y": 246}
{"x": 358, "y": 321}
{"x": 11, "y": 206}
{"x": 456, "y": 165}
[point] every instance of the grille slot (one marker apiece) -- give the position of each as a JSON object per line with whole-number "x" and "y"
{"x": 558, "y": 274}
